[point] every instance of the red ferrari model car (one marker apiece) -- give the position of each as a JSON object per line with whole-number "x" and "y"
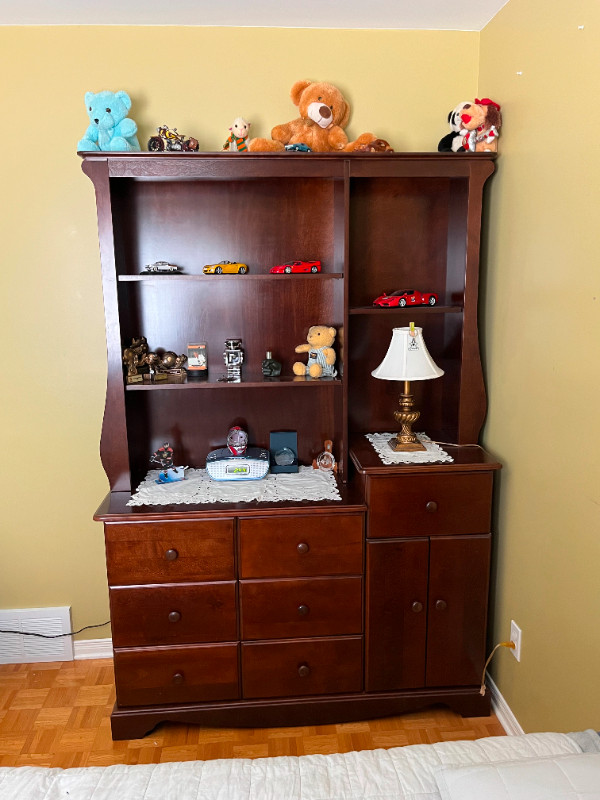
{"x": 407, "y": 297}
{"x": 297, "y": 266}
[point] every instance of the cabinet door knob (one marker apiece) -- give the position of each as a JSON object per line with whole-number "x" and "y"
{"x": 431, "y": 507}
{"x": 417, "y": 607}
{"x": 303, "y": 610}
{"x": 302, "y": 547}
{"x": 174, "y": 616}
{"x": 304, "y": 670}
{"x": 441, "y": 605}
{"x": 177, "y": 678}
{"x": 172, "y": 555}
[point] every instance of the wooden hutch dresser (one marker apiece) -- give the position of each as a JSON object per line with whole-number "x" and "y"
{"x": 253, "y": 614}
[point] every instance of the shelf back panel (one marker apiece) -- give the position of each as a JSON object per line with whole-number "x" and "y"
{"x": 196, "y": 422}
{"x": 194, "y": 223}
{"x": 174, "y": 313}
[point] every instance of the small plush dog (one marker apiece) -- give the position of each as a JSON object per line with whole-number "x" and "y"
{"x": 452, "y": 142}
{"x": 236, "y": 141}
{"x": 481, "y": 122}
{"x": 376, "y": 146}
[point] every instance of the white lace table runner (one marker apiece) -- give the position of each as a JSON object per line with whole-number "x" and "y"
{"x": 198, "y": 487}
{"x": 433, "y": 452}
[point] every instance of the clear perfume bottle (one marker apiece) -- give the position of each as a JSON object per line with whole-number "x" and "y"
{"x": 270, "y": 367}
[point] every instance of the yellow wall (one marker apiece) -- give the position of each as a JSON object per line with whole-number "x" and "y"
{"x": 401, "y": 85}
{"x": 541, "y": 344}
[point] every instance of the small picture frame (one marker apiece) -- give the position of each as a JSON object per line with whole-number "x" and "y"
{"x": 283, "y": 449}
{"x": 197, "y": 360}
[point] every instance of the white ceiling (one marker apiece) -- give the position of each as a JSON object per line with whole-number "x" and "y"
{"x": 465, "y": 15}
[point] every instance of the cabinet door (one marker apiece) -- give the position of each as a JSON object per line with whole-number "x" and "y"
{"x": 396, "y": 605}
{"x": 458, "y": 597}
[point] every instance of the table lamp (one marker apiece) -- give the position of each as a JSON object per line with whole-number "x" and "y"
{"x": 407, "y": 359}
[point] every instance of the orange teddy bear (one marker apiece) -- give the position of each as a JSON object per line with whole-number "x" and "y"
{"x": 324, "y": 114}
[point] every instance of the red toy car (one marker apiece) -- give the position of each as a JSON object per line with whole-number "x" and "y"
{"x": 297, "y": 266}
{"x": 408, "y": 297}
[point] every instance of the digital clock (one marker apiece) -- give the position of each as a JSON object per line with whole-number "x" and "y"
{"x": 253, "y": 465}
{"x": 242, "y": 469}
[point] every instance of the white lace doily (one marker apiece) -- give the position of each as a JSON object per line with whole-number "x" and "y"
{"x": 433, "y": 452}
{"x": 198, "y": 487}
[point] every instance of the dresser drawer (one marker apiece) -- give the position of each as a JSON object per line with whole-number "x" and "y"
{"x": 302, "y": 667}
{"x": 169, "y": 552}
{"x": 427, "y": 505}
{"x": 307, "y": 607}
{"x": 301, "y": 546}
{"x": 179, "y": 614}
{"x": 176, "y": 674}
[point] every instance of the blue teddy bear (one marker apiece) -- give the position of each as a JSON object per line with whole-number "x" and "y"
{"x": 110, "y": 128}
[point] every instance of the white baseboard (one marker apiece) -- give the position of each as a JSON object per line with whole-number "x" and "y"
{"x": 92, "y": 648}
{"x": 501, "y": 709}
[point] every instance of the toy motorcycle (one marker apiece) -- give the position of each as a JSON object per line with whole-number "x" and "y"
{"x": 168, "y": 139}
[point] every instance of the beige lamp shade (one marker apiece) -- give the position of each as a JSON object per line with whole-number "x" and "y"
{"x": 407, "y": 358}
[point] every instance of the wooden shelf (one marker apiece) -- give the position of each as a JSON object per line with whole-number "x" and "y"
{"x": 164, "y": 278}
{"x": 421, "y": 309}
{"x": 250, "y": 382}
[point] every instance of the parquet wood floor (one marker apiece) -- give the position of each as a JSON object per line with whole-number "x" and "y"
{"x": 58, "y": 715}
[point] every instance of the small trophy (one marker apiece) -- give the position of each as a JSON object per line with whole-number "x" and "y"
{"x": 197, "y": 360}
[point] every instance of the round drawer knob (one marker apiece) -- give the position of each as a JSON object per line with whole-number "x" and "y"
{"x": 304, "y": 670}
{"x": 177, "y": 678}
{"x": 431, "y": 507}
{"x": 302, "y": 547}
{"x": 417, "y": 607}
{"x": 303, "y": 610}
{"x": 441, "y": 605}
{"x": 174, "y": 616}
{"x": 172, "y": 555}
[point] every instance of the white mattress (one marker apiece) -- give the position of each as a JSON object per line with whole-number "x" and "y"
{"x": 574, "y": 777}
{"x": 400, "y": 773}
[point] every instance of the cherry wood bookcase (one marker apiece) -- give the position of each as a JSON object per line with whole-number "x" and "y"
{"x": 294, "y": 613}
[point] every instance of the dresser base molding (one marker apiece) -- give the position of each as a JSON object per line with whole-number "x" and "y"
{"x": 135, "y": 723}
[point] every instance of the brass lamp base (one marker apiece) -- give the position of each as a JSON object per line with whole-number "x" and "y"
{"x": 398, "y": 445}
{"x": 406, "y": 441}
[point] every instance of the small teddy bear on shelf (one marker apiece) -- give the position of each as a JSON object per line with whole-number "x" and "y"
{"x": 110, "y": 128}
{"x": 321, "y": 355}
{"x": 236, "y": 141}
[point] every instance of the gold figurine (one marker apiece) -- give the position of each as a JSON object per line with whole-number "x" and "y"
{"x": 142, "y": 364}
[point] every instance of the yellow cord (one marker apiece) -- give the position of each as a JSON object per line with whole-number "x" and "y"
{"x": 501, "y": 644}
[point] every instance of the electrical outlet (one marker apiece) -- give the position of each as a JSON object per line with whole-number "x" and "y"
{"x": 515, "y": 636}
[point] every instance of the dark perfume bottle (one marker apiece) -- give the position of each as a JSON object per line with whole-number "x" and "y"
{"x": 270, "y": 367}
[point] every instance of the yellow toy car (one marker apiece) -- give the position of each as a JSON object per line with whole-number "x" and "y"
{"x": 225, "y": 267}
